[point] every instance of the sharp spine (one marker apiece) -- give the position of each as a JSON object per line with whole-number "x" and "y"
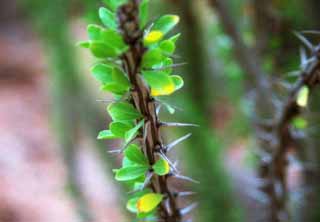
{"x": 165, "y": 124}
{"x": 185, "y": 178}
{"x": 188, "y": 209}
{"x": 304, "y": 40}
{"x": 176, "y": 142}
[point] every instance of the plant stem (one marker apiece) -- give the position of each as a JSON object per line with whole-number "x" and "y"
{"x": 128, "y": 16}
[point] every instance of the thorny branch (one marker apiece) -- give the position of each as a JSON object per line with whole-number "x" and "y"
{"x": 142, "y": 100}
{"x": 274, "y": 136}
{"x": 309, "y": 77}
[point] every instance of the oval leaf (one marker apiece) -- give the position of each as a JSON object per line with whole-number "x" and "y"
{"x": 131, "y": 172}
{"x": 102, "y": 73}
{"x": 148, "y": 202}
{"x": 101, "y": 50}
{"x": 108, "y": 18}
{"x": 123, "y": 111}
{"x": 152, "y": 57}
{"x": 302, "y": 98}
{"x": 165, "y": 23}
{"x": 161, "y": 167}
{"x": 161, "y": 84}
{"x": 106, "y": 134}
{"x": 134, "y": 154}
{"x": 120, "y": 128}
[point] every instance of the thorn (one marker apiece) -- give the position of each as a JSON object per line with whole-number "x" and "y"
{"x": 185, "y": 178}
{"x": 106, "y": 100}
{"x": 147, "y": 180}
{"x": 314, "y": 32}
{"x": 119, "y": 151}
{"x": 167, "y": 205}
{"x": 158, "y": 109}
{"x": 168, "y": 67}
{"x": 185, "y": 194}
{"x": 294, "y": 74}
{"x": 303, "y": 57}
{"x": 176, "y": 142}
{"x": 178, "y": 124}
{"x": 304, "y": 40}
{"x": 175, "y": 164}
{"x": 165, "y": 103}
{"x": 188, "y": 209}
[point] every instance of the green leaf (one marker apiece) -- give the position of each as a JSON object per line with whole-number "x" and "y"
{"x": 302, "y": 98}
{"x": 149, "y": 202}
{"x": 114, "y": 4}
{"x": 161, "y": 167}
{"x": 152, "y": 58}
{"x": 102, "y": 73}
{"x": 133, "y": 132}
{"x": 300, "y": 123}
{"x": 161, "y": 84}
{"x": 126, "y": 162}
{"x": 120, "y": 128}
{"x": 168, "y": 46}
{"x": 165, "y": 23}
{"x": 123, "y": 111}
{"x": 114, "y": 40}
{"x": 167, "y": 62}
{"x": 143, "y": 18}
{"x": 106, "y": 134}
{"x": 108, "y": 18}
{"x": 112, "y": 78}
{"x": 134, "y": 154}
{"x": 94, "y": 32}
{"x": 101, "y": 50}
{"x": 130, "y": 173}
{"x": 119, "y": 77}
{"x": 114, "y": 88}
{"x": 132, "y": 205}
{"x": 178, "y": 82}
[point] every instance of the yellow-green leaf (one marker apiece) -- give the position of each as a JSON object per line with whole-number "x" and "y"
{"x": 302, "y": 98}
{"x": 153, "y": 37}
{"x": 165, "y": 23}
{"x": 161, "y": 84}
{"x": 161, "y": 167}
{"x": 149, "y": 202}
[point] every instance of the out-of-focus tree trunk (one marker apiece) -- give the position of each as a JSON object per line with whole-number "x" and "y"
{"x": 203, "y": 151}
{"x": 73, "y": 111}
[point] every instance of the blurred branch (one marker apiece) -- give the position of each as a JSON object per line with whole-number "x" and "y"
{"x": 310, "y": 78}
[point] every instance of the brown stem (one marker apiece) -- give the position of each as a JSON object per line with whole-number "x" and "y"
{"x": 128, "y": 16}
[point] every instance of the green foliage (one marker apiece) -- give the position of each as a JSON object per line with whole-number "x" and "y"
{"x": 128, "y": 123}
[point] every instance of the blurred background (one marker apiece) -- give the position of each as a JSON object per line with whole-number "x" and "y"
{"x": 53, "y": 169}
